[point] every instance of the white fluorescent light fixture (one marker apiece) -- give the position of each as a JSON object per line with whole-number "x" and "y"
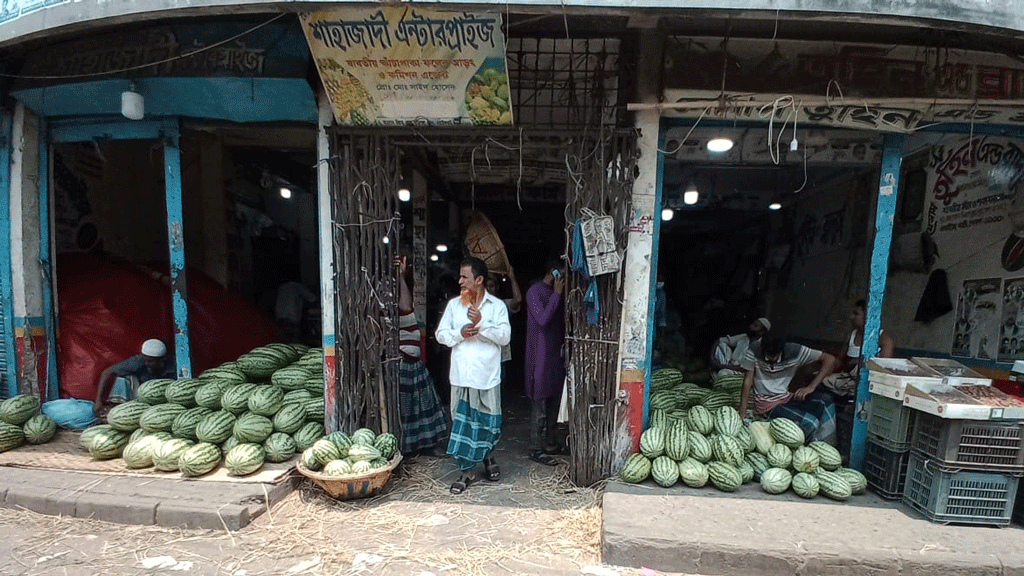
{"x": 667, "y": 214}
{"x": 286, "y": 192}
{"x": 434, "y": 258}
{"x": 720, "y": 144}
{"x": 441, "y": 248}
{"x": 404, "y": 195}
{"x": 691, "y": 195}
{"x": 774, "y": 206}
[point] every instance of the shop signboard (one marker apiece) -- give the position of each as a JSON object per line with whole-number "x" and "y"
{"x": 399, "y": 65}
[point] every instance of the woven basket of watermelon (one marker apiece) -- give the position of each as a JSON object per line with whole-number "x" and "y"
{"x": 352, "y": 485}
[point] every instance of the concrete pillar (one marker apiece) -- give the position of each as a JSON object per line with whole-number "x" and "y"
{"x": 327, "y": 267}
{"x": 28, "y": 277}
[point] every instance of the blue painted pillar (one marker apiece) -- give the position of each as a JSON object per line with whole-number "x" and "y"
{"x": 46, "y": 265}
{"x": 885, "y": 211}
{"x": 176, "y": 245}
{"x": 7, "y": 347}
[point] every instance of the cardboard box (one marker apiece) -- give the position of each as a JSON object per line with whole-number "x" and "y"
{"x": 947, "y": 401}
{"x": 953, "y": 372}
{"x": 899, "y": 372}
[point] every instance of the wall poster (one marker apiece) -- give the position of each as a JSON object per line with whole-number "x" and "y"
{"x": 976, "y": 328}
{"x": 1011, "y": 327}
{"x": 399, "y": 65}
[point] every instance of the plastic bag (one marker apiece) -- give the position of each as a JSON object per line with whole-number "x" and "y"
{"x": 70, "y": 413}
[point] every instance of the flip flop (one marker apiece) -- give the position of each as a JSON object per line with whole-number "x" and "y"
{"x": 460, "y": 485}
{"x": 492, "y": 472}
{"x": 542, "y": 458}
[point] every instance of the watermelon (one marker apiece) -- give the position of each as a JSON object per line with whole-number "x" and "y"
{"x": 724, "y": 476}
{"x": 386, "y": 444}
{"x": 746, "y": 471}
{"x": 290, "y": 418}
{"x": 636, "y": 468}
{"x": 361, "y": 467}
{"x": 758, "y": 462}
{"x": 208, "y": 395}
{"x": 666, "y": 378}
{"x": 251, "y": 427}
{"x": 184, "y": 426}
{"x": 125, "y": 417}
{"x": 363, "y": 436}
{"x": 785, "y": 431}
{"x": 309, "y": 460}
{"x": 139, "y": 454}
{"x": 140, "y": 433}
{"x": 287, "y": 351}
{"x": 761, "y": 434}
{"x": 805, "y": 459}
{"x": 658, "y": 419}
{"x": 700, "y": 447}
{"x": 199, "y": 459}
{"x": 324, "y": 451}
{"x": 279, "y": 447}
{"x": 39, "y": 429}
{"x": 108, "y": 444}
{"x": 296, "y": 396}
{"x": 18, "y": 409}
{"x": 159, "y": 418}
{"x": 828, "y": 457}
{"x": 315, "y": 386}
{"x": 693, "y": 473}
{"x": 244, "y": 459}
{"x": 258, "y": 367}
{"x": 12, "y": 436}
{"x": 266, "y": 400}
{"x": 652, "y": 442}
{"x": 337, "y": 468}
{"x": 154, "y": 391}
{"x": 665, "y": 471}
{"x": 299, "y": 348}
{"x": 664, "y": 400}
{"x": 716, "y": 400}
{"x": 315, "y": 410}
{"x": 359, "y": 452}
{"x": 677, "y": 446}
{"x": 307, "y": 435}
{"x": 726, "y": 449}
{"x": 85, "y": 439}
{"x": 215, "y": 427}
{"x": 858, "y": 483}
{"x": 341, "y": 440}
{"x": 236, "y": 398}
{"x": 228, "y": 444}
{"x": 166, "y": 456}
{"x": 291, "y": 378}
{"x": 805, "y": 485}
{"x": 700, "y": 420}
{"x": 780, "y": 456}
{"x": 833, "y": 484}
{"x": 183, "y": 392}
{"x": 727, "y": 421}
{"x": 224, "y": 373}
{"x": 776, "y": 480}
{"x": 745, "y": 440}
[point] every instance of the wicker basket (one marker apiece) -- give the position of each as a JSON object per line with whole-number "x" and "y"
{"x": 352, "y": 486}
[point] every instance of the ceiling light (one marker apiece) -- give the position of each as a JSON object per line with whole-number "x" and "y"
{"x": 133, "y": 105}
{"x": 720, "y": 144}
{"x": 286, "y": 192}
{"x": 386, "y": 240}
{"x": 667, "y": 214}
{"x": 404, "y": 195}
{"x": 442, "y": 248}
{"x": 774, "y": 206}
{"x": 434, "y": 258}
{"x": 691, "y": 195}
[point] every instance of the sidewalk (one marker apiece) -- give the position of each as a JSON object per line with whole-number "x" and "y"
{"x": 705, "y": 531}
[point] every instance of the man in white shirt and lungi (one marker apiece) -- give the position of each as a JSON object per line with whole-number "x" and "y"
{"x": 475, "y": 326}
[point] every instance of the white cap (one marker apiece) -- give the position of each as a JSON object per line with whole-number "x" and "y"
{"x": 766, "y": 323}
{"x": 154, "y": 348}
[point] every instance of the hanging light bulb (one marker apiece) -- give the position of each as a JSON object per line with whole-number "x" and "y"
{"x": 442, "y": 248}
{"x": 774, "y": 206}
{"x": 434, "y": 258}
{"x": 133, "y": 105}
{"x": 386, "y": 240}
{"x": 667, "y": 214}
{"x": 404, "y": 195}
{"x": 286, "y": 192}
{"x": 691, "y": 195}
{"x": 720, "y": 144}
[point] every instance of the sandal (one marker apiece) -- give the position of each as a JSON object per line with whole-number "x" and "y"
{"x": 460, "y": 485}
{"x": 491, "y": 470}
{"x": 542, "y": 458}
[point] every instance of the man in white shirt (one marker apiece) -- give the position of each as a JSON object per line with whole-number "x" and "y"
{"x": 475, "y": 326}
{"x": 729, "y": 351}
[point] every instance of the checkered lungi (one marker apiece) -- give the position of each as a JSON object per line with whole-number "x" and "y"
{"x": 476, "y": 424}
{"x": 423, "y": 422}
{"x": 815, "y": 414}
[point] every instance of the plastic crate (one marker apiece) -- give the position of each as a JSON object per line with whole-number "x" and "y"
{"x": 885, "y": 469}
{"x": 1018, "y": 508}
{"x": 891, "y": 422}
{"x": 946, "y": 496}
{"x": 975, "y": 444}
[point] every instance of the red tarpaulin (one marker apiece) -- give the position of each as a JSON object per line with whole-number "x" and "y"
{"x": 108, "y": 308}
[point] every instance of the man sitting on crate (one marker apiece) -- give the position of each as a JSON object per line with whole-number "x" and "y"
{"x": 770, "y": 366}
{"x": 153, "y": 362}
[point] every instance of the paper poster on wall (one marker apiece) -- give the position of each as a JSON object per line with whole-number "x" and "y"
{"x": 398, "y": 65}
{"x": 976, "y": 325}
{"x": 1011, "y": 327}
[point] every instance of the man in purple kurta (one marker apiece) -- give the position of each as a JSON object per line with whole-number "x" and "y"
{"x": 545, "y": 369}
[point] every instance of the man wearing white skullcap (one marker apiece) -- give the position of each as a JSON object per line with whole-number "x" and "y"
{"x": 728, "y": 351}
{"x": 153, "y": 362}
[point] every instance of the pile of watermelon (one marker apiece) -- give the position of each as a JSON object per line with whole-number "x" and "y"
{"x": 263, "y": 407}
{"x": 671, "y": 395}
{"x": 341, "y": 454}
{"x": 703, "y": 444}
{"x": 21, "y": 422}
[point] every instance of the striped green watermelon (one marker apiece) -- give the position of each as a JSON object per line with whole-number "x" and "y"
{"x": 139, "y": 454}
{"x": 140, "y": 433}
{"x": 785, "y": 431}
{"x": 663, "y": 400}
{"x": 315, "y": 386}
{"x": 716, "y": 400}
{"x": 337, "y": 468}
{"x": 700, "y": 420}
{"x": 85, "y": 439}
{"x": 341, "y": 440}
{"x": 224, "y": 373}
{"x": 746, "y": 471}
{"x": 215, "y": 427}
{"x": 290, "y": 418}
{"x": 665, "y": 471}
{"x": 727, "y": 421}
{"x": 805, "y": 485}
{"x": 776, "y": 480}
{"x": 266, "y": 400}
{"x": 858, "y": 483}
{"x": 693, "y": 473}
{"x": 185, "y": 425}
{"x": 252, "y": 427}
{"x": 279, "y": 447}
{"x": 324, "y": 451}
{"x": 677, "y": 446}
{"x": 159, "y": 418}
{"x": 805, "y": 459}
{"x": 228, "y": 444}
{"x": 166, "y": 456}
{"x": 258, "y": 366}
{"x": 378, "y": 463}
{"x": 299, "y": 348}
{"x": 236, "y": 398}
{"x": 652, "y": 442}
{"x": 758, "y": 463}
{"x": 285, "y": 349}
{"x": 18, "y": 409}
{"x": 726, "y": 449}
{"x": 362, "y": 467}
{"x": 833, "y": 484}
{"x": 724, "y": 476}
{"x": 244, "y": 459}
{"x": 183, "y": 392}
{"x": 199, "y": 459}
{"x": 12, "y": 436}
{"x": 386, "y": 444}
{"x": 745, "y": 440}
{"x": 125, "y": 417}
{"x": 359, "y": 452}
{"x": 309, "y": 460}
{"x": 636, "y": 468}
{"x": 291, "y": 377}
{"x": 700, "y": 447}
{"x": 363, "y": 436}
{"x": 39, "y": 429}
{"x": 315, "y": 410}
{"x": 208, "y": 395}
{"x": 658, "y": 419}
{"x": 108, "y": 444}
{"x": 307, "y": 435}
{"x": 780, "y": 456}
{"x": 297, "y": 396}
{"x": 666, "y": 379}
{"x": 154, "y": 391}
{"x": 828, "y": 457}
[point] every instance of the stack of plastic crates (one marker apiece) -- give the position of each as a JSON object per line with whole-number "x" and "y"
{"x": 964, "y": 471}
{"x": 890, "y": 425}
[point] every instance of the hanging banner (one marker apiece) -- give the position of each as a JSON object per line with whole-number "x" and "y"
{"x": 397, "y": 65}
{"x": 1011, "y": 330}
{"x": 976, "y": 327}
